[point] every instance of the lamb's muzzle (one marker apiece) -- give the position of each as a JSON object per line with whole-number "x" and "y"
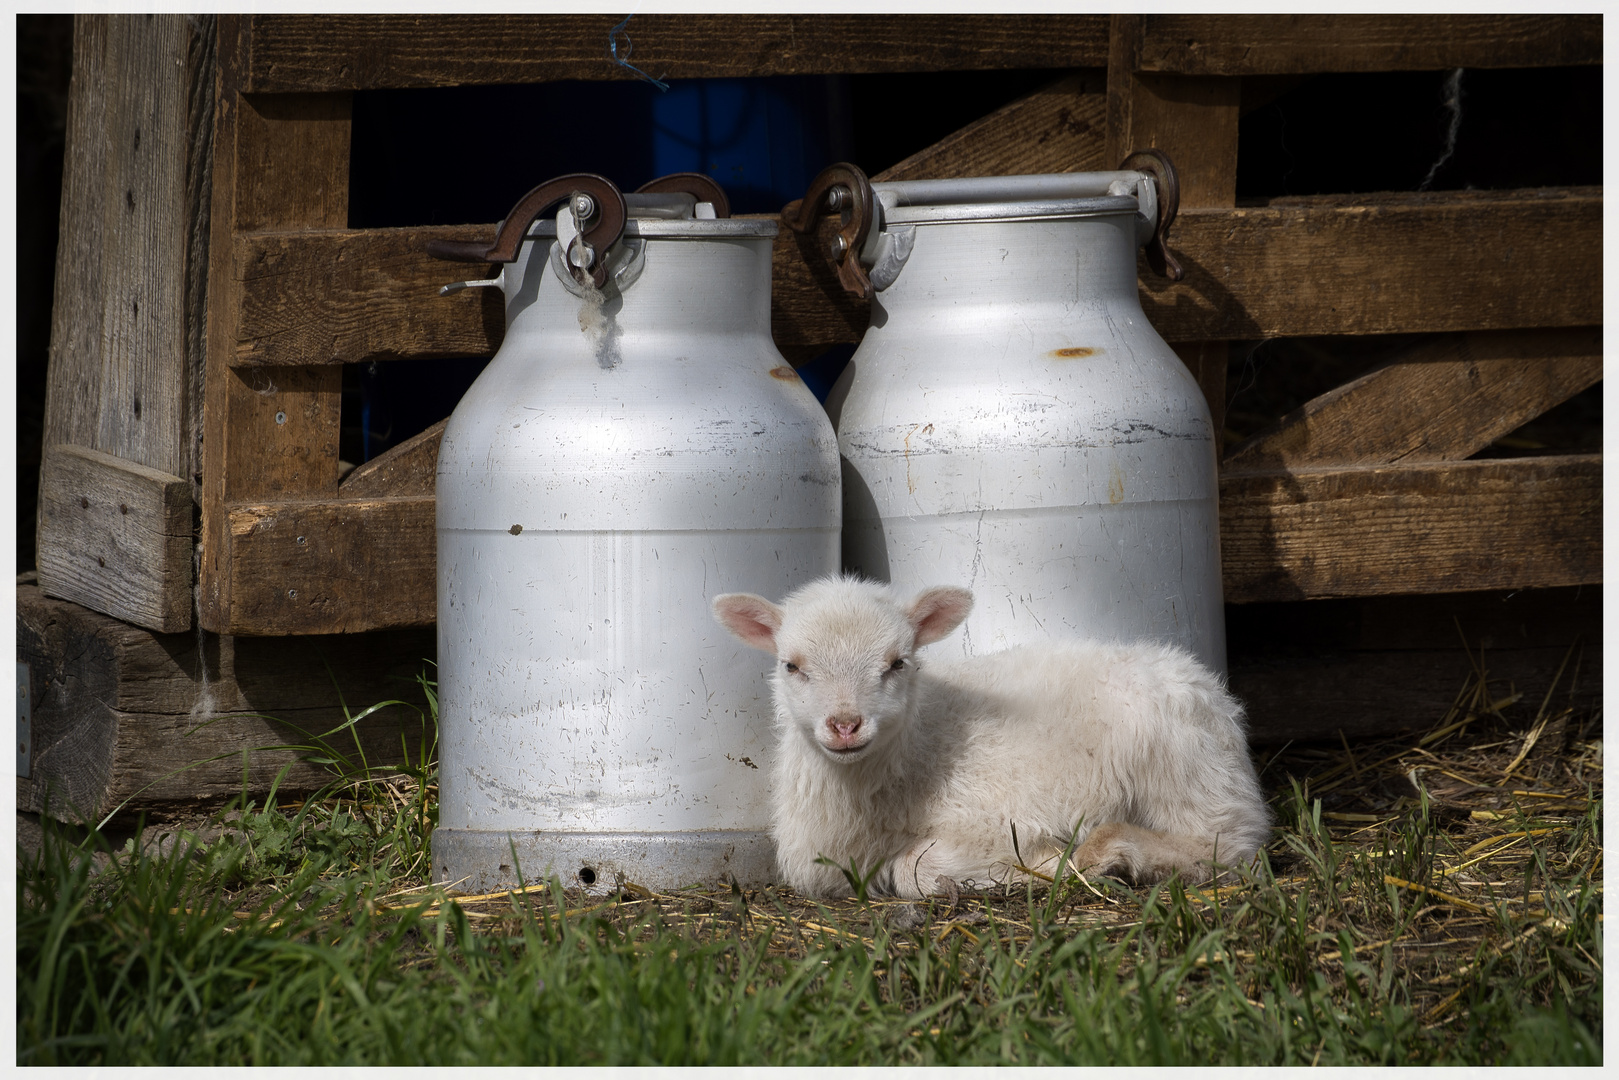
{"x": 1134, "y": 754}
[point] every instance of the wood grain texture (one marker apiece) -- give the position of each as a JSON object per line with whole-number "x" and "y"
{"x": 292, "y": 53}
{"x": 281, "y": 162}
{"x": 1380, "y": 264}
{"x": 124, "y": 353}
{"x": 1056, "y": 129}
{"x": 1296, "y": 44}
{"x": 1428, "y": 528}
{"x": 336, "y": 567}
{"x": 409, "y": 469}
{"x": 340, "y": 296}
{"x": 118, "y": 379}
{"x": 1442, "y": 400}
{"x": 120, "y": 537}
{"x": 120, "y": 713}
{"x": 1384, "y": 263}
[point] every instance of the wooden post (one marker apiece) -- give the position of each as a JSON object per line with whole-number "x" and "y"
{"x": 120, "y": 406}
{"x": 281, "y": 164}
{"x": 1194, "y": 120}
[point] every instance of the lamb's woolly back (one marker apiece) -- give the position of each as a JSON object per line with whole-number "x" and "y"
{"x": 928, "y": 770}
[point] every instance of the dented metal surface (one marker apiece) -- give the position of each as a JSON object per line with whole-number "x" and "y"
{"x": 629, "y": 454}
{"x": 1011, "y": 422}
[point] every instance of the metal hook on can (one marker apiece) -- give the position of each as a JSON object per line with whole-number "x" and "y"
{"x": 841, "y": 189}
{"x": 1156, "y": 164}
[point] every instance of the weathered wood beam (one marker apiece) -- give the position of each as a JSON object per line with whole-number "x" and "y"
{"x": 125, "y": 351}
{"x": 1194, "y": 120}
{"x": 125, "y": 716}
{"x": 1384, "y": 263}
{"x": 1422, "y": 528}
{"x": 1442, "y": 400}
{"x": 281, "y": 162}
{"x": 1059, "y": 128}
{"x": 340, "y": 566}
{"x": 1302, "y": 44}
{"x": 1375, "y": 264}
{"x": 293, "y": 53}
{"x": 120, "y": 537}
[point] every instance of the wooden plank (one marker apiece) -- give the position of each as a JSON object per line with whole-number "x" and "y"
{"x": 124, "y": 352}
{"x": 1376, "y": 264}
{"x": 1302, "y": 44}
{"x": 1427, "y": 528}
{"x": 117, "y": 375}
{"x": 1194, "y": 120}
{"x": 341, "y": 296}
{"x": 281, "y": 162}
{"x": 1442, "y": 400}
{"x": 1386, "y": 263}
{"x": 291, "y": 53}
{"x": 120, "y": 713}
{"x": 409, "y": 469}
{"x": 121, "y": 537}
{"x": 1056, "y": 129}
{"x": 336, "y": 567}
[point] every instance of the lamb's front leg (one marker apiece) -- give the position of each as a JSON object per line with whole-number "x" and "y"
{"x": 929, "y": 866}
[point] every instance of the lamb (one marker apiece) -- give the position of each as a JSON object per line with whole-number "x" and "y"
{"x": 1134, "y": 753}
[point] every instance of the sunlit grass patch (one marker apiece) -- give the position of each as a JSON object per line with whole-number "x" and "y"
{"x": 1427, "y": 900}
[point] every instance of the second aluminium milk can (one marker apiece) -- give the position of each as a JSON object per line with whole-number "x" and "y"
{"x": 636, "y": 447}
{"x": 1010, "y": 421}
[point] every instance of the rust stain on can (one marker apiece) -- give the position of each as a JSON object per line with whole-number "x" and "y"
{"x": 785, "y": 374}
{"x": 1074, "y": 352}
{"x": 515, "y": 530}
{"x": 1115, "y": 486}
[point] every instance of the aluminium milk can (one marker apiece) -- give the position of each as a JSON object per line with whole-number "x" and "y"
{"x": 1011, "y": 422}
{"x": 636, "y": 447}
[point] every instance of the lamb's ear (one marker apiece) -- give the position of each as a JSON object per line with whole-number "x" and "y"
{"x": 937, "y": 611}
{"x": 753, "y": 619}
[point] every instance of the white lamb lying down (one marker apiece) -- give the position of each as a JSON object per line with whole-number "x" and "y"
{"x": 1136, "y": 748}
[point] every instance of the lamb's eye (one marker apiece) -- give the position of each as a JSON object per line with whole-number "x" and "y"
{"x": 897, "y": 665}
{"x": 792, "y": 669}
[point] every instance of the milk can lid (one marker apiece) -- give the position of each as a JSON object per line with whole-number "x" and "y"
{"x": 675, "y": 216}
{"x": 988, "y": 198}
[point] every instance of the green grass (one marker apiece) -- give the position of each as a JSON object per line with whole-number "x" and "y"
{"x": 306, "y": 935}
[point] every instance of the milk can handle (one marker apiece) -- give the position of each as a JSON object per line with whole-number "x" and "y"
{"x": 839, "y": 188}
{"x": 1156, "y": 164}
{"x": 606, "y": 224}
{"x": 702, "y": 188}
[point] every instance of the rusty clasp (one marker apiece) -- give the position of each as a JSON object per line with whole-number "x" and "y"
{"x": 845, "y": 190}
{"x": 1156, "y": 164}
{"x": 598, "y": 207}
{"x": 701, "y": 187}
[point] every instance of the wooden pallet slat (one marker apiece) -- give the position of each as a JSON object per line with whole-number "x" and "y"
{"x": 1442, "y": 400}
{"x": 339, "y": 566}
{"x": 1424, "y": 528}
{"x": 1400, "y": 264}
{"x": 293, "y": 53}
{"x": 1384, "y": 264}
{"x": 1294, "y": 44}
{"x": 120, "y": 537}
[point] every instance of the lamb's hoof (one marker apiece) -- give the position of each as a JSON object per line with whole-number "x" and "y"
{"x": 947, "y": 888}
{"x": 906, "y": 917}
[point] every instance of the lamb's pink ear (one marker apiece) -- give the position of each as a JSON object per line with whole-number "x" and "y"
{"x": 937, "y": 611}
{"x": 753, "y": 619}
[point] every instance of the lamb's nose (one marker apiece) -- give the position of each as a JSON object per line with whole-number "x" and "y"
{"x": 843, "y": 727}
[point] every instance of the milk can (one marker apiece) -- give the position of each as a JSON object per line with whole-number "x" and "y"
{"x": 1011, "y": 422}
{"x": 636, "y": 447}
